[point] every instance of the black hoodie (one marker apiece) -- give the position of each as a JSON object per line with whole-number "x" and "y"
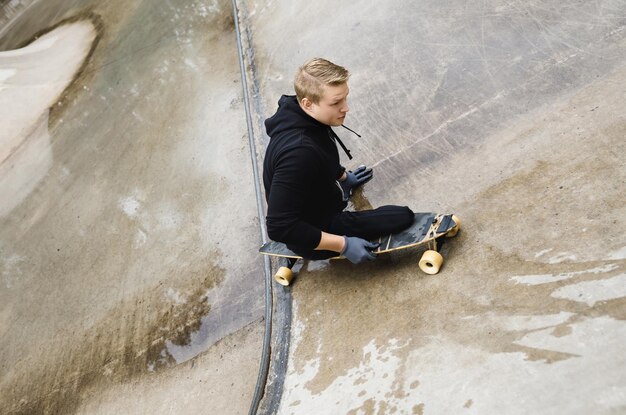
{"x": 300, "y": 170}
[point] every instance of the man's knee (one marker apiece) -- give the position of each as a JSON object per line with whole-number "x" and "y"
{"x": 407, "y": 215}
{"x": 403, "y": 216}
{"x": 397, "y": 218}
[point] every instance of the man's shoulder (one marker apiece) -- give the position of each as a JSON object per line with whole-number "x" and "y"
{"x": 295, "y": 147}
{"x": 302, "y": 145}
{"x": 297, "y": 139}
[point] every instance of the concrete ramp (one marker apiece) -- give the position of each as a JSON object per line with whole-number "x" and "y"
{"x": 129, "y": 275}
{"x": 509, "y": 115}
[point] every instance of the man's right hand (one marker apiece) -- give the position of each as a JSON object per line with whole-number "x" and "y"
{"x": 358, "y": 250}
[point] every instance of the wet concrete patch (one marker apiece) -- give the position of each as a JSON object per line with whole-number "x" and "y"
{"x": 129, "y": 342}
{"x": 210, "y": 383}
{"x": 400, "y": 315}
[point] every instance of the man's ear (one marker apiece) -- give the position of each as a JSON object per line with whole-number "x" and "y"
{"x": 306, "y": 104}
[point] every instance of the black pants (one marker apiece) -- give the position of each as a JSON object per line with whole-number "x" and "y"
{"x": 366, "y": 224}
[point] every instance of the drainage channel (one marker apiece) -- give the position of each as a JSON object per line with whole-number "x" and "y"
{"x": 273, "y": 365}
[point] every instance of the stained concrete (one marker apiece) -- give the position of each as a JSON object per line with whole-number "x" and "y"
{"x": 128, "y": 227}
{"x": 509, "y": 114}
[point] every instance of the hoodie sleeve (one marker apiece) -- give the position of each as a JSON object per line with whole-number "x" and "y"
{"x": 341, "y": 171}
{"x": 294, "y": 173}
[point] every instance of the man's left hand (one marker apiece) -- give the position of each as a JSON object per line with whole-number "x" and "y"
{"x": 355, "y": 179}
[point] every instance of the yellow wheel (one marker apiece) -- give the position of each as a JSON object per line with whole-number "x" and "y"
{"x": 431, "y": 262}
{"x": 283, "y": 276}
{"x": 452, "y": 233}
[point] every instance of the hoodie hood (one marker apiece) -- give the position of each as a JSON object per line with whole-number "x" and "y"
{"x": 290, "y": 116}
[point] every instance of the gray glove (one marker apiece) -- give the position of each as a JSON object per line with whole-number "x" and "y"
{"x": 355, "y": 179}
{"x": 358, "y": 250}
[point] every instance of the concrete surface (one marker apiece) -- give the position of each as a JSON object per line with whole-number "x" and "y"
{"x": 128, "y": 229}
{"x": 509, "y": 114}
{"x": 130, "y": 281}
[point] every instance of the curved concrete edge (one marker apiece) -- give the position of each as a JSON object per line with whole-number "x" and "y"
{"x": 274, "y": 357}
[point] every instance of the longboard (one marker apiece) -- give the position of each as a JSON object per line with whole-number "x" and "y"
{"x": 427, "y": 228}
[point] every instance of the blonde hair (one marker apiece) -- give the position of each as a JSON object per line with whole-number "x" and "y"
{"x": 314, "y": 75}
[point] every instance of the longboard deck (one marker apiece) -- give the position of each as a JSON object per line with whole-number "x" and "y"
{"x": 426, "y": 227}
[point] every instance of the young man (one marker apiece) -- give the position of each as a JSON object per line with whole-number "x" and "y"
{"x": 306, "y": 187}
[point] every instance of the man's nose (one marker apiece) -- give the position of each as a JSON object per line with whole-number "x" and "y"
{"x": 345, "y": 108}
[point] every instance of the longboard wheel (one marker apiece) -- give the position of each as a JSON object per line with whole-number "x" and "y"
{"x": 452, "y": 233}
{"x": 283, "y": 276}
{"x": 431, "y": 262}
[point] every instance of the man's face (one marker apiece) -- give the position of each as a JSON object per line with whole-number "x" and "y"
{"x": 333, "y": 105}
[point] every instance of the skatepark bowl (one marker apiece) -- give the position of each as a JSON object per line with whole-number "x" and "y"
{"x": 130, "y": 213}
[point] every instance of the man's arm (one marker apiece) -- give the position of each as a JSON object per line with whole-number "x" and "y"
{"x": 331, "y": 242}
{"x": 357, "y": 250}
